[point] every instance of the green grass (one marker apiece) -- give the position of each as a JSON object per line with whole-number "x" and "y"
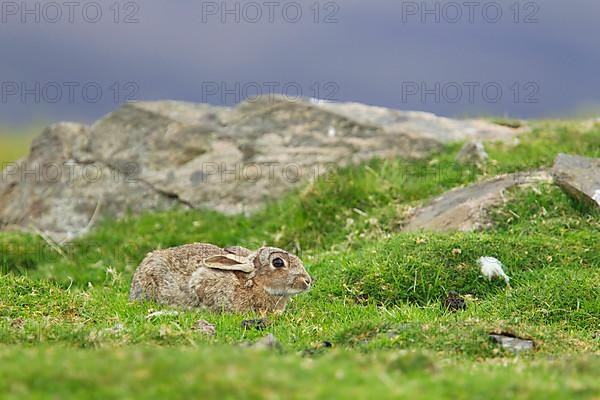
{"x": 231, "y": 373}
{"x": 15, "y": 142}
{"x": 65, "y": 317}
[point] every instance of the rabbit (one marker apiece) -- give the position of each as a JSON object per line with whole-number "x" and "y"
{"x": 232, "y": 279}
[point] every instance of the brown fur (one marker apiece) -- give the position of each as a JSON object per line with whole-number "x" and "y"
{"x": 233, "y": 279}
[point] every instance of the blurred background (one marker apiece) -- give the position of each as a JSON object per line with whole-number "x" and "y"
{"x": 79, "y": 60}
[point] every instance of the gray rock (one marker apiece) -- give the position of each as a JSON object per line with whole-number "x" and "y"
{"x": 512, "y": 343}
{"x": 465, "y": 209}
{"x": 473, "y": 153}
{"x": 157, "y": 155}
{"x": 269, "y": 342}
{"x": 116, "y": 329}
{"x": 579, "y": 177}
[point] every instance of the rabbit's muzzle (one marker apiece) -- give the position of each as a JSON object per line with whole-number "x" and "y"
{"x": 301, "y": 283}
{"x": 293, "y": 285}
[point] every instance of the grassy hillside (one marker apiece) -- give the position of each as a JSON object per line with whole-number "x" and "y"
{"x": 64, "y": 314}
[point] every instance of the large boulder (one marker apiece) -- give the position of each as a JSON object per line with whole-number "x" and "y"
{"x": 156, "y": 155}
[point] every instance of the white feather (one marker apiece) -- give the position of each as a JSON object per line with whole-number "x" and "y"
{"x": 492, "y": 267}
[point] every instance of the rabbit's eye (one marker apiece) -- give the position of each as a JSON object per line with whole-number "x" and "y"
{"x": 278, "y": 263}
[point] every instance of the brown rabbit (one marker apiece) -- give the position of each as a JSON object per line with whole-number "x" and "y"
{"x": 233, "y": 279}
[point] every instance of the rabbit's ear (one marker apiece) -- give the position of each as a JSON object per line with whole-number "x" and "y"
{"x": 238, "y": 250}
{"x": 230, "y": 262}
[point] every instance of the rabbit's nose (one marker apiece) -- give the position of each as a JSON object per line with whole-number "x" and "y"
{"x": 308, "y": 280}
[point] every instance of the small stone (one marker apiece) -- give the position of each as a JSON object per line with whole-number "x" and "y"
{"x": 454, "y": 302}
{"x": 472, "y": 152}
{"x": 205, "y": 328}
{"x": 115, "y": 329}
{"x": 258, "y": 324}
{"x": 268, "y": 342}
{"x": 512, "y": 343}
